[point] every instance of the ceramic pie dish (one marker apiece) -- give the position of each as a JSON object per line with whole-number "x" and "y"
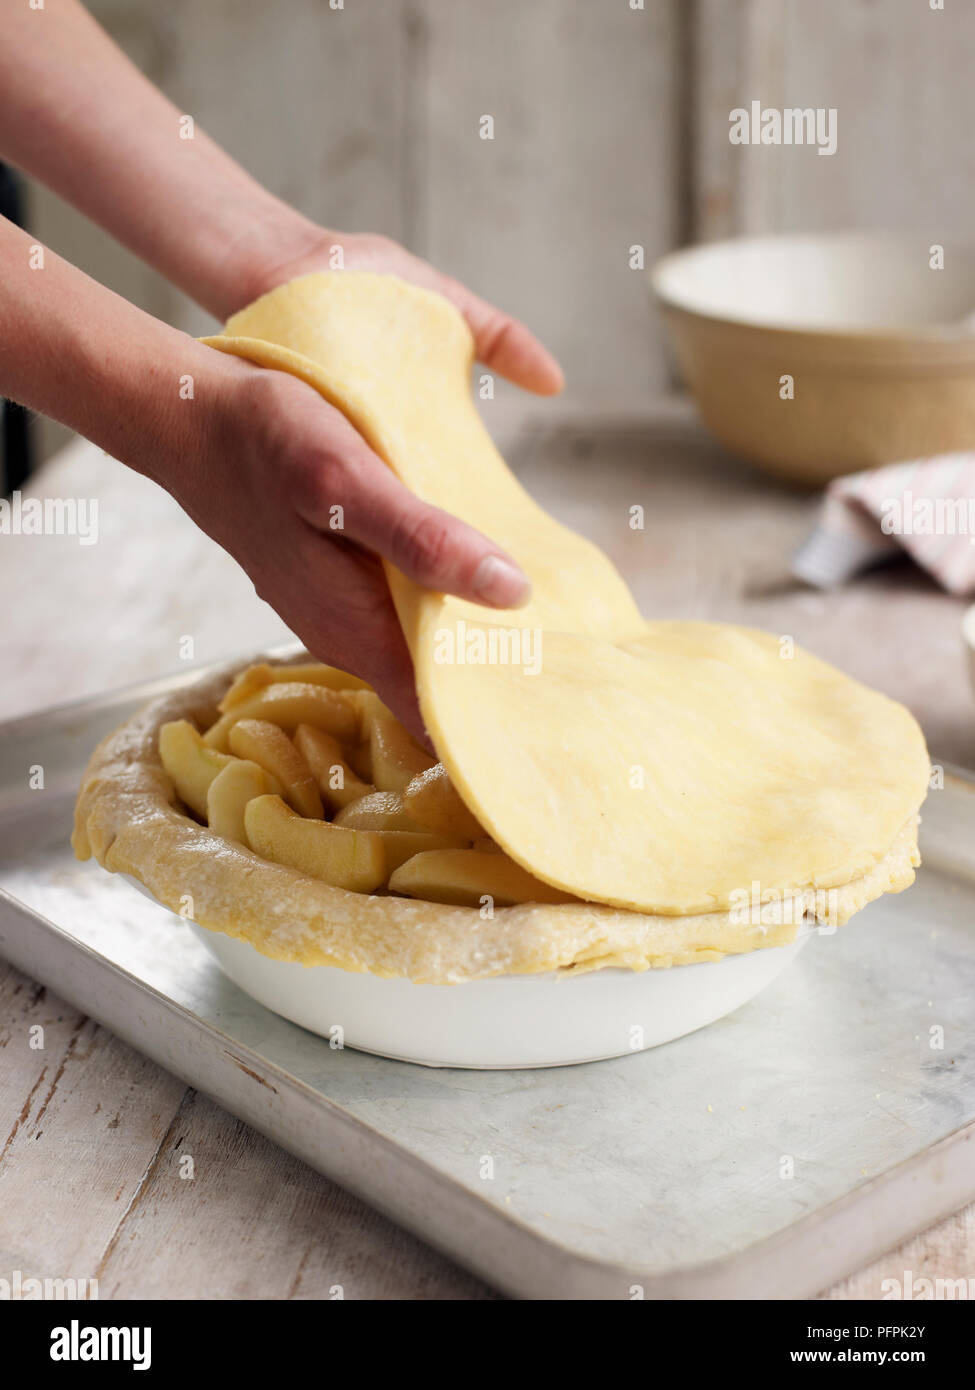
{"x": 627, "y": 823}
{"x": 533, "y": 984}
{"x": 510, "y": 1022}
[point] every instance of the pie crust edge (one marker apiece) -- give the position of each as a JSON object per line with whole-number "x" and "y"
{"x": 126, "y": 817}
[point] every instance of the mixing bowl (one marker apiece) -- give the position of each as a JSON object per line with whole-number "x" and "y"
{"x": 879, "y": 347}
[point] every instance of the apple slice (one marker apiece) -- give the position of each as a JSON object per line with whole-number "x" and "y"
{"x": 396, "y": 757}
{"x": 229, "y": 792}
{"x": 311, "y": 673}
{"x": 467, "y": 876}
{"x": 191, "y": 765}
{"x": 288, "y": 704}
{"x": 378, "y": 811}
{"x": 350, "y": 859}
{"x": 401, "y": 845}
{"x": 323, "y": 753}
{"x": 360, "y": 760}
{"x": 245, "y": 684}
{"x": 272, "y": 749}
{"x": 368, "y": 707}
{"x": 432, "y": 799}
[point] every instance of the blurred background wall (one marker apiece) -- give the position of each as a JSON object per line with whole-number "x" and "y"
{"x": 611, "y": 131}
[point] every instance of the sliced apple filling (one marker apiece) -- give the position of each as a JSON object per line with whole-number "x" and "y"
{"x": 306, "y": 767}
{"x": 288, "y": 704}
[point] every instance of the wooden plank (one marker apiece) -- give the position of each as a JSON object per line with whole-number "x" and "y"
{"x": 255, "y": 1223}
{"x": 106, "y": 1136}
{"x": 81, "y": 1121}
{"x": 737, "y": 48}
{"x": 311, "y": 101}
{"x": 897, "y": 75}
{"x": 582, "y": 166}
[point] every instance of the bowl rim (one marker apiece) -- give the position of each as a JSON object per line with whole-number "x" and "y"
{"x": 940, "y": 334}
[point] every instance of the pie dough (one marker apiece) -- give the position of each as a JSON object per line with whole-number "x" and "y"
{"x": 127, "y": 819}
{"x": 657, "y": 770}
{"x": 662, "y": 767}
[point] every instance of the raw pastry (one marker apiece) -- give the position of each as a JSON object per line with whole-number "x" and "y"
{"x": 127, "y": 818}
{"x": 656, "y": 766}
{"x": 656, "y": 771}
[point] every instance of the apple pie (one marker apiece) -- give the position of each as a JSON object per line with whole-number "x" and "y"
{"x": 606, "y": 790}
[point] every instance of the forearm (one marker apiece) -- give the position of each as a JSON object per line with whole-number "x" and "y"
{"x": 79, "y": 117}
{"x": 257, "y": 457}
{"x": 141, "y": 390}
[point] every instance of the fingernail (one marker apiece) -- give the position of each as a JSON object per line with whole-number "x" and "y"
{"x": 501, "y": 583}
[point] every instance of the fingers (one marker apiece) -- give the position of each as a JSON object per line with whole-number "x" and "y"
{"x": 440, "y": 552}
{"x": 396, "y": 686}
{"x": 434, "y": 549}
{"x": 361, "y": 633}
{"x": 504, "y": 344}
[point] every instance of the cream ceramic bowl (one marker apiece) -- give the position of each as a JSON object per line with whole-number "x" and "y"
{"x": 881, "y": 348}
{"x": 510, "y": 1021}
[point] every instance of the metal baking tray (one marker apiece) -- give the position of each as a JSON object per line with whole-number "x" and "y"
{"x": 665, "y": 1174}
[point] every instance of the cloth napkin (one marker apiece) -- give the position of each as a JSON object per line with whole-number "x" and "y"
{"x": 926, "y": 508}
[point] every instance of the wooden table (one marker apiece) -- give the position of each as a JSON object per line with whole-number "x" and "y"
{"x": 90, "y": 1131}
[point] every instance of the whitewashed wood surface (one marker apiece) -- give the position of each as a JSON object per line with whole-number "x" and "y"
{"x": 90, "y": 1132}
{"x": 611, "y": 131}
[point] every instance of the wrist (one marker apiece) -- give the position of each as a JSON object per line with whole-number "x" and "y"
{"x": 155, "y": 399}
{"x": 197, "y": 398}
{"x": 272, "y": 241}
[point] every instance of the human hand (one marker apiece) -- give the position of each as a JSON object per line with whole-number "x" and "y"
{"x": 259, "y": 457}
{"x": 321, "y": 460}
{"x": 275, "y": 458}
{"x": 256, "y": 457}
{"x": 501, "y": 342}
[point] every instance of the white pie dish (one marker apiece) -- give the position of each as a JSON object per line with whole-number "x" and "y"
{"x": 510, "y": 1021}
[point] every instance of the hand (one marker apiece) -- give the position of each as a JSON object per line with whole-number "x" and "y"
{"x": 322, "y": 460}
{"x": 501, "y": 342}
{"x": 256, "y": 457}
{"x": 262, "y": 459}
{"x": 277, "y": 459}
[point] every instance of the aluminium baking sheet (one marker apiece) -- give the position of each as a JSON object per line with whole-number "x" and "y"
{"x": 663, "y": 1174}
